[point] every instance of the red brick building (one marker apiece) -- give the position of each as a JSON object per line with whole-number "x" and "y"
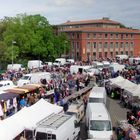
{"x": 93, "y": 39}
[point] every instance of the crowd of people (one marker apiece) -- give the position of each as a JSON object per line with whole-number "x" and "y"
{"x": 64, "y": 83}
{"x": 61, "y": 85}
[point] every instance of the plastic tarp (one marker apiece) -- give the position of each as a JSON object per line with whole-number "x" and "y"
{"x": 128, "y": 85}
{"x": 124, "y": 84}
{"x": 136, "y": 91}
{"x": 12, "y": 126}
{"x": 31, "y": 87}
{"x": 16, "y": 91}
{"x": 117, "y": 81}
{"x": 6, "y": 96}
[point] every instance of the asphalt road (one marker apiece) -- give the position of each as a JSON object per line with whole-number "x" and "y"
{"x": 117, "y": 113}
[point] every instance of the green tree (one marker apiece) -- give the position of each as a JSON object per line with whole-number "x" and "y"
{"x": 62, "y": 44}
{"x": 34, "y": 39}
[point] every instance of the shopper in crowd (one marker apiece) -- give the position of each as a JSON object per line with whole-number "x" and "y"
{"x": 22, "y": 102}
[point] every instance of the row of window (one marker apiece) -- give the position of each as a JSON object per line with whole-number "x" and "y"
{"x": 105, "y": 54}
{"x": 111, "y": 36}
{"x": 102, "y": 36}
{"x": 110, "y": 44}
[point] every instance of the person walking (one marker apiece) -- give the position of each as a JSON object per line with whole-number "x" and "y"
{"x": 77, "y": 84}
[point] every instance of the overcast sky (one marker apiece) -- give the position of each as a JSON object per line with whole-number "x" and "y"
{"x": 59, "y": 11}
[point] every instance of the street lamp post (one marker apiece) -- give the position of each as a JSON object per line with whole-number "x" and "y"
{"x": 65, "y": 47}
{"x": 13, "y": 42}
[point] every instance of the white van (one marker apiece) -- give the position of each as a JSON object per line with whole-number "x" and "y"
{"x": 98, "y": 65}
{"x": 49, "y": 64}
{"x": 106, "y": 64}
{"x": 93, "y": 71}
{"x": 33, "y": 78}
{"x": 97, "y": 95}
{"x": 35, "y": 64}
{"x": 15, "y": 67}
{"x": 71, "y": 61}
{"x": 77, "y": 68}
{"x": 57, "y": 127}
{"x": 98, "y": 122}
{"x": 77, "y": 109}
{"x": 135, "y": 60}
{"x": 59, "y": 62}
{"x": 122, "y": 56}
{"x": 114, "y": 67}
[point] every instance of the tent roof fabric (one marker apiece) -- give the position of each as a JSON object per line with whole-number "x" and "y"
{"x": 12, "y": 126}
{"x": 117, "y": 80}
{"x": 39, "y": 111}
{"x": 126, "y": 85}
{"x": 136, "y": 91}
{"x": 6, "y": 96}
{"x": 24, "y": 89}
{"x": 15, "y": 90}
{"x": 27, "y": 118}
{"x": 31, "y": 87}
{"x": 20, "y": 89}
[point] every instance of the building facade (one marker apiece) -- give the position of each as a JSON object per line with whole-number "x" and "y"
{"x": 102, "y": 38}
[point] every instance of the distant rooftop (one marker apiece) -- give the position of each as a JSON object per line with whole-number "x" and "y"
{"x": 96, "y": 29}
{"x": 103, "y": 20}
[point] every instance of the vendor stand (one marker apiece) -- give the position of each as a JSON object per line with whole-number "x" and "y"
{"x": 124, "y": 126}
{"x": 8, "y": 104}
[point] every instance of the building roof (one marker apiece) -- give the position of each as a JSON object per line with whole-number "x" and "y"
{"x": 99, "y": 29}
{"x": 104, "y": 20}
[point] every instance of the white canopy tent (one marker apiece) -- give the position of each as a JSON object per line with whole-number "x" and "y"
{"x": 39, "y": 111}
{"x": 12, "y": 126}
{"x": 136, "y": 91}
{"x": 125, "y": 84}
{"x": 128, "y": 85}
{"x": 26, "y": 118}
{"x": 117, "y": 81}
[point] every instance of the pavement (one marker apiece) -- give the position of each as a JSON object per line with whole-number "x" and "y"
{"x": 117, "y": 112}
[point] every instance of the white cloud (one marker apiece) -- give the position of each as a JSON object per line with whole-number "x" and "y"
{"x": 59, "y": 11}
{"x": 67, "y": 3}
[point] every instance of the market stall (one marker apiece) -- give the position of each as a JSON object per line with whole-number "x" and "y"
{"x": 8, "y": 104}
{"x": 124, "y": 128}
{"x": 38, "y": 111}
{"x": 31, "y": 87}
{"x": 27, "y": 119}
{"x": 13, "y": 125}
{"x": 17, "y": 90}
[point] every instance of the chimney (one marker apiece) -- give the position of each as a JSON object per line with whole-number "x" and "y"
{"x": 105, "y": 18}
